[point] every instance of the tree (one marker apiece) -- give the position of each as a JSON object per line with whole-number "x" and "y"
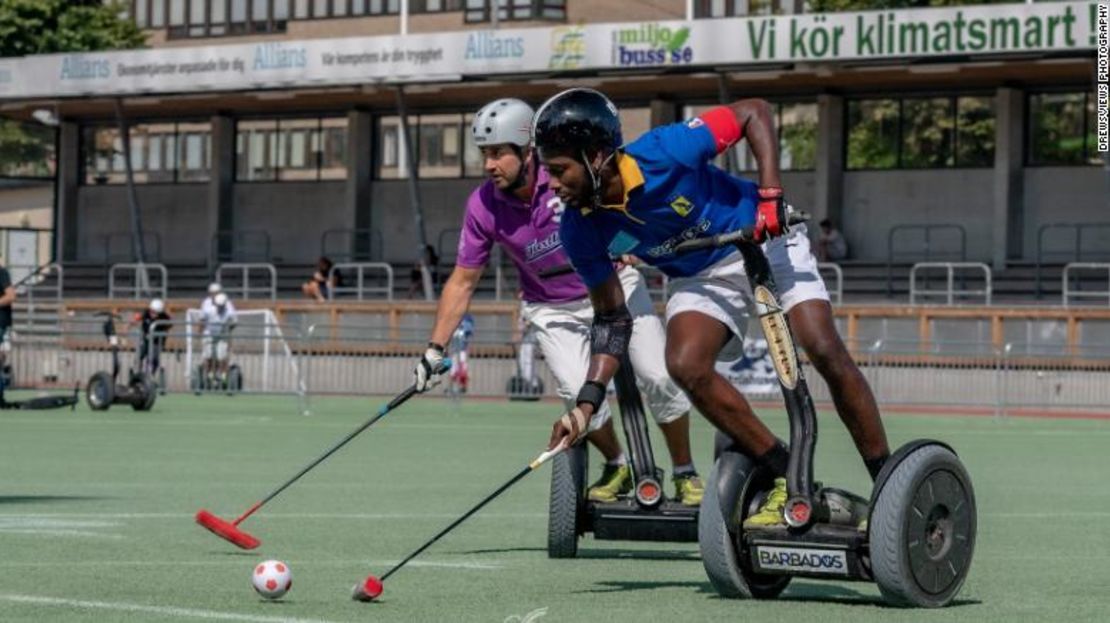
{"x": 45, "y": 27}
{"x": 51, "y": 26}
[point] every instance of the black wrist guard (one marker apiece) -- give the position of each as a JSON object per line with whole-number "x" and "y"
{"x": 592, "y": 393}
{"x": 611, "y": 332}
{"x": 438, "y": 347}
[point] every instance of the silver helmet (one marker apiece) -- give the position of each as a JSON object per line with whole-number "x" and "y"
{"x": 505, "y": 121}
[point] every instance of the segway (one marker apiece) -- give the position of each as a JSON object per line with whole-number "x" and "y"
{"x": 104, "y": 390}
{"x": 919, "y": 537}
{"x": 525, "y": 384}
{"x": 646, "y": 514}
{"x": 204, "y": 381}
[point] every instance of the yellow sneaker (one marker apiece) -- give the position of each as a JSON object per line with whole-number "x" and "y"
{"x": 770, "y": 514}
{"x": 688, "y": 489}
{"x": 615, "y": 480}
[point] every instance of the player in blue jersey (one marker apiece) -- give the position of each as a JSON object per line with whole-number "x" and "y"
{"x": 645, "y": 197}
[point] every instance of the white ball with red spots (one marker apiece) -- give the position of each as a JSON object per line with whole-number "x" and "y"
{"x": 272, "y": 579}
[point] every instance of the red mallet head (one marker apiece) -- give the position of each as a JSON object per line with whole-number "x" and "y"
{"x": 369, "y": 590}
{"x": 226, "y": 530}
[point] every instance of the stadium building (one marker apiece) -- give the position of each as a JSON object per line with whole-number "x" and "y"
{"x": 268, "y": 130}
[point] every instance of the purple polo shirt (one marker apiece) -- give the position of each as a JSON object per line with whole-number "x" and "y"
{"x": 527, "y": 232}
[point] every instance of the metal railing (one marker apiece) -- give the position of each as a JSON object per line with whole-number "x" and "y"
{"x": 360, "y": 289}
{"x": 950, "y": 291}
{"x": 1075, "y": 251}
{"x": 836, "y": 293}
{"x": 40, "y": 290}
{"x": 352, "y": 245}
{"x": 448, "y": 253}
{"x": 141, "y": 284}
{"x": 925, "y": 251}
{"x": 245, "y": 287}
{"x": 1067, "y": 293}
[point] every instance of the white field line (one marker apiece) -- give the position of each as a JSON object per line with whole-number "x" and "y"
{"x": 187, "y": 613}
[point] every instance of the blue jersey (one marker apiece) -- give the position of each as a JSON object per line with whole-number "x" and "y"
{"x": 672, "y": 193}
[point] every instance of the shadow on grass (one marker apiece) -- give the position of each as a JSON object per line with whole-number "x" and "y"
{"x": 48, "y": 499}
{"x": 834, "y": 593}
{"x": 619, "y": 586}
{"x": 598, "y": 554}
{"x": 801, "y": 592}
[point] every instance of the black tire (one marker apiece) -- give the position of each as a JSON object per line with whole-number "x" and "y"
{"x": 922, "y": 529}
{"x": 234, "y": 380}
{"x": 143, "y": 387}
{"x": 100, "y": 392}
{"x": 199, "y": 380}
{"x": 722, "y": 510}
{"x": 568, "y": 501}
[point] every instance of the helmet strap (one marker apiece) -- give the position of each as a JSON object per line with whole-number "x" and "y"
{"x": 521, "y": 175}
{"x": 595, "y": 176}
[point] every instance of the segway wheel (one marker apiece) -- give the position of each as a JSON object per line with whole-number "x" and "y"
{"x": 923, "y": 529}
{"x": 100, "y": 392}
{"x": 234, "y": 380}
{"x": 568, "y": 502}
{"x": 145, "y": 391}
{"x": 199, "y": 380}
{"x": 731, "y": 492}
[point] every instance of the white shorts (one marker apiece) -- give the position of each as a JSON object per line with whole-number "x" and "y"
{"x": 562, "y": 331}
{"x": 221, "y": 347}
{"x": 723, "y": 291}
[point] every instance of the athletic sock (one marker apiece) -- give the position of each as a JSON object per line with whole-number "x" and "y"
{"x": 875, "y": 465}
{"x": 617, "y": 462}
{"x": 685, "y": 470}
{"x": 777, "y": 459}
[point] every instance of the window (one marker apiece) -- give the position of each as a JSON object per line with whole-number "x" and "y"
{"x": 732, "y": 8}
{"x": 1062, "y": 129}
{"x": 443, "y": 145}
{"x": 480, "y": 10}
{"x": 304, "y": 149}
{"x": 920, "y": 133}
{"x": 215, "y": 18}
{"x": 26, "y": 149}
{"x": 161, "y": 152}
{"x": 140, "y": 11}
{"x": 797, "y": 127}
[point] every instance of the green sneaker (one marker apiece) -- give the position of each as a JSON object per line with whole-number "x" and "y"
{"x": 770, "y": 514}
{"x": 688, "y": 489}
{"x": 615, "y": 480}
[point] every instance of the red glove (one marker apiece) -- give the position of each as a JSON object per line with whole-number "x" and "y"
{"x": 770, "y": 218}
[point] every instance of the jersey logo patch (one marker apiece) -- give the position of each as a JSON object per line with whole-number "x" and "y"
{"x": 696, "y": 122}
{"x": 682, "y": 205}
{"x": 622, "y": 243}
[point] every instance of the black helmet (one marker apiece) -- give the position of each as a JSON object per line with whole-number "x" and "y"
{"x": 577, "y": 120}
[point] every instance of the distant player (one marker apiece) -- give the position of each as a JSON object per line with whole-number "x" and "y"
{"x": 154, "y": 326}
{"x": 460, "y": 345}
{"x": 217, "y": 322}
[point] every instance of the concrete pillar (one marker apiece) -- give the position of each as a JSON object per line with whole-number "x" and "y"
{"x": 360, "y": 154}
{"x": 221, "y": 183}
{"x": 829, "y": 173}
{"x": 1008, "y": 209}
{"x": 663, "y": 112}
{"x": 66, "y": 232}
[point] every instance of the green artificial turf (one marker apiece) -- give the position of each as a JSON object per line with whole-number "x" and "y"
{"x": 96, "y": 519}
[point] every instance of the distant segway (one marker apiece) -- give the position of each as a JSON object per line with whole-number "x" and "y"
{"x": 525, "y": 384}
{"x": 205, "y": 380}
{"x": 104, "y": 389}
{"x": 918, "y": 541}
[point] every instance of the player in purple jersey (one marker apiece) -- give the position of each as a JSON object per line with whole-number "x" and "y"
{"x": 516, "y": 209}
